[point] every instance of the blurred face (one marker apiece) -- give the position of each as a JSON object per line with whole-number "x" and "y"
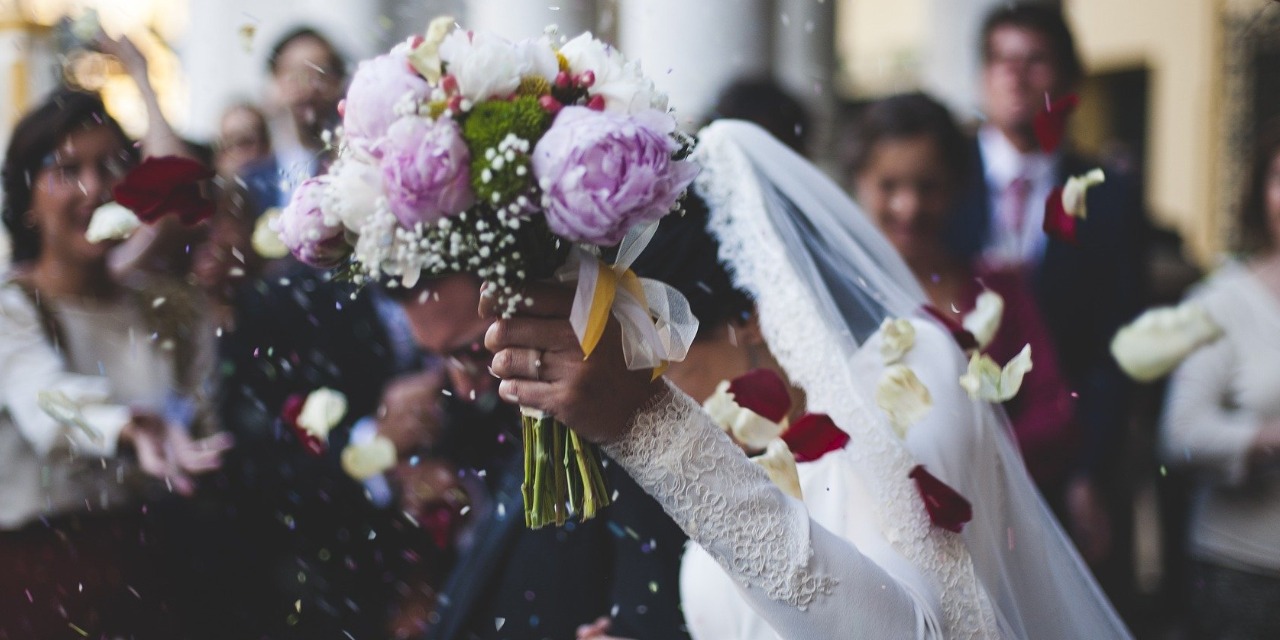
{"x": 1272, "y": 200}
{"x": 1018, "y": 74}
{"x": 307, "y": 81}
{"x": 906, "y": 190}
{"x": 74, "y": 180}
{"x": 241, "y": 140}
{"x": 445, "y": 322}
{"x": 225, "y": 256}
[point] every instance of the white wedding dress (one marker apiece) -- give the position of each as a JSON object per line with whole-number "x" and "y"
{"x": 859, "y": 558}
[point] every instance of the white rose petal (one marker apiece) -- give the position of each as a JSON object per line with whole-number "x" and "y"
{"x": 111, "y": 222}
{"x": 1073, "y": 193}
{"x": 897, "y": 336}
{"x": 266, "y": 242}
{"x": 984, "y": 320}
{"x": 986, "y": 380}
{"x": 368, "y": 459}
{"x": 1160, "y": 339}
{"x": 745, "y": 426}
{"x": 426, "y": 57}
{"x": 902, "y": 396}
{"x": 780, "y": 464}
{"x": 322, "y": 411}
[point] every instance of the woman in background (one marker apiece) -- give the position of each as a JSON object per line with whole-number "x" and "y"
{"x": 122, "y": 373}
{"x": 907, "y": 163}
{"x": 1223, "y": 421}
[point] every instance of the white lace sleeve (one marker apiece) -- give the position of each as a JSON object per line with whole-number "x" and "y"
{"x": 805, "y": 581}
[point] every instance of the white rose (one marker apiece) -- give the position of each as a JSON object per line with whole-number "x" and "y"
{"x": 266, "y": 242}
{"x": 620, "y": 82}
{"x": 111, "y": 222}
{"x": 897, "y": 336}
{"x": 903, "y": 397}
{"x": 354, "y": 189}
{"x": 780, "y": 464}
{"x": 984, "y": 320}
{"x": 1077, "y": 187}
{"x": 745, "y": 426}
{"x": 986, "y": 380}
{"x": 1160, "y": 339}
{"x": 322, "y": 411}
{"x": 368, "y": 459}
{"x": 487, "y": 66}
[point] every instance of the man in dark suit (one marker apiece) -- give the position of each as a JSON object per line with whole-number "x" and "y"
{"x": 1085, "y": 291}
{"x": 510, "y": 581}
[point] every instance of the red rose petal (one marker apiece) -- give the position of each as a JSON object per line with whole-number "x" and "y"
{"x": 763, "y": 392}
{"x": 163, "y": 185}
{"x": 289, "y": 416}
{"x": 1050, "y": 125}
{"x": 947, "y": 508}
{"x": 814, "y": 435}
{"x": 1057, "y": 222}
{"x": 961, "y": 335}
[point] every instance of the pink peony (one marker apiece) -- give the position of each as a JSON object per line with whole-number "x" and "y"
{"x": 376, "y": 88}
{"x": 603, "y": 173}
{"x": 303, "y": 227}
{"x": 425, "y": 170}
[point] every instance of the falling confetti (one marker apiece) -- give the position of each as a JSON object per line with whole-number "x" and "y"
{"x": 247, "y": 31}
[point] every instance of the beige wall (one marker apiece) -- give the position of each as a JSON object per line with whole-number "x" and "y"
{"x": 1177, "y": 41}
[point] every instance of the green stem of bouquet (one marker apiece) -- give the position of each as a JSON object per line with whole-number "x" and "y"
{"x": 562, "y": 474}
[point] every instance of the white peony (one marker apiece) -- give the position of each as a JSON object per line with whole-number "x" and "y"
{"x": 984, "y": 320}
{"x": 903, "y": 397}
{"x": 111, "y": 222}
{"x": 323, "y": 409}
{"x": 986, "y": 380}
{"x": 488, "y": 66}
{"x": 1160, "y": 339}
{"x": 897, "y": 336}
{"x": 368, "y": 459}
{"x": 745, "y": 426}
{"x": 1077, "y": 187}
{"x": 620, "y": 82}
{"x": 355, "y": 188}
{"x": 780, "y": 464}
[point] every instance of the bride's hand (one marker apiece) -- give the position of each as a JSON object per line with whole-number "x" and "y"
{"x": 541, "y": 364}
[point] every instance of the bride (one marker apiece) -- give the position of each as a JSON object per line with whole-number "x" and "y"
{"x": 859, "y": 557}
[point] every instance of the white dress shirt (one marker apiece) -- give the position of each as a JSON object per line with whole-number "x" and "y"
{"x": 1002, "y": 164}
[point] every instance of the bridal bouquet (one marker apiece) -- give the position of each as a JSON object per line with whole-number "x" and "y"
{"x": 463, "y": 152}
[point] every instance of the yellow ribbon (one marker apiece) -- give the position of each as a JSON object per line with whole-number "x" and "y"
{"x": 602, "y": 297}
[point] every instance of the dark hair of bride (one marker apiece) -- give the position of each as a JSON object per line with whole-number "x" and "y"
{"x": 685, "y": 255}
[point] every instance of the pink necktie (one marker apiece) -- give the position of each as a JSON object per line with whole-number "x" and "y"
{"x": 1013, "y": 204}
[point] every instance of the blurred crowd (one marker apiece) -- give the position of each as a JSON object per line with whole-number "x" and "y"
{"x": 150, "y": 487}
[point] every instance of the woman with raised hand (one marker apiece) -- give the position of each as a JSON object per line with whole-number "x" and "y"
{"x": 879, "y": 560}
{"x": 97, "y": 381}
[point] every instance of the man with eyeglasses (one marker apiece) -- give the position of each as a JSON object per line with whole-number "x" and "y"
{"x": 510, "y": 581}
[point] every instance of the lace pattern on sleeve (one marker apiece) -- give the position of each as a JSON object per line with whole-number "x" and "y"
{"x": 723, "y": 501}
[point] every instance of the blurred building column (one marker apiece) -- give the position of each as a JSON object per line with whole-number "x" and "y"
{"x": 693, "y": 49}
{"x": 516, "y": 19}
{"x": 804, "y": 60}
